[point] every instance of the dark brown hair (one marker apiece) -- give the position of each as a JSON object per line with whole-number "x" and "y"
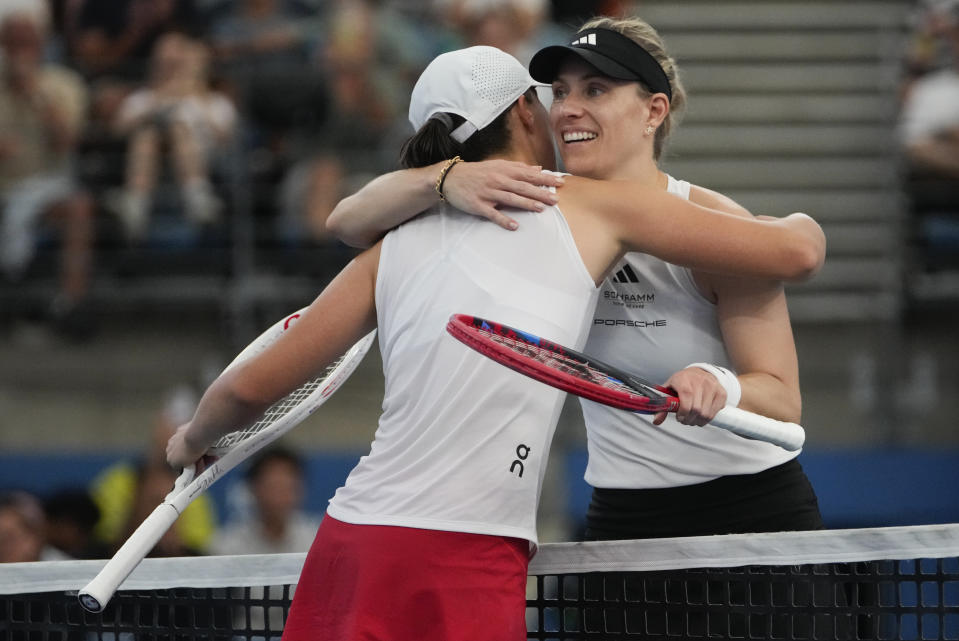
{"x": 433, "y": 143}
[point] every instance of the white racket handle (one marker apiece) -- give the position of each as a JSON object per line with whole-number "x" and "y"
{"x": 98, "y": 592}
{"x": 788, "y": 436}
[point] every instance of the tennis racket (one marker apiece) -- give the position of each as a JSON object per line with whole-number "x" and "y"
{"x": 589, "y": 378}
{"x": 229, "y": 451}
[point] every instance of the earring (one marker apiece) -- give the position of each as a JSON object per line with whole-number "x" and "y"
{"x": 649, "y": 130}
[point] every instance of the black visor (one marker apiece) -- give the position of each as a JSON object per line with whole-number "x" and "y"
{"x": 612, "y": 53}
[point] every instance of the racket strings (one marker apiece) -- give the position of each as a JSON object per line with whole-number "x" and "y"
{"x": 276, "y": 411}
{"x": 561, "y": 362}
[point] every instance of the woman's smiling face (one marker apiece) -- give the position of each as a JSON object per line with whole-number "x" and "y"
{"x": 599, "y": 122}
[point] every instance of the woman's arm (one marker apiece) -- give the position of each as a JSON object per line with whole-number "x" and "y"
{"x": 754, "y": 321}
{"x": 340, "y": 315}
{"x": 477, "y": 188}
{"x": 651, "y": 220}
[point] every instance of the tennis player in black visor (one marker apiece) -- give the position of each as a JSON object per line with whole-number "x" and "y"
{"x": 616, "y": 96}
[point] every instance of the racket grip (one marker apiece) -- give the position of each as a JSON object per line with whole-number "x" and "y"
{"x": 98, "y": 592}
{"x": 788, "y": 436}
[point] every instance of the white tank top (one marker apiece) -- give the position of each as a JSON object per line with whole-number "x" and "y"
{"x": 462, "y": 442}
{"x": 652, "y": 319}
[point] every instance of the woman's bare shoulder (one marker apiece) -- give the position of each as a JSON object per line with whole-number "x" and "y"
{"x": 715, "y": 200}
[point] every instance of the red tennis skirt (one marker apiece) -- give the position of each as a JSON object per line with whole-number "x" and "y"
{"x": 388, "y": 583}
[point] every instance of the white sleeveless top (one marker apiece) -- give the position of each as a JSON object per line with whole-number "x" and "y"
{"x": 462, "y": 442}
{"x": 652, "y": 319}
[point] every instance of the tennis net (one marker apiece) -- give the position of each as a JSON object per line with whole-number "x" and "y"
{"x": 879, "y": 583}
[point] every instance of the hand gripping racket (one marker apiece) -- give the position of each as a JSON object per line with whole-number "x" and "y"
{"x": 230, "y": 450}
{"x": 589, "y": 378}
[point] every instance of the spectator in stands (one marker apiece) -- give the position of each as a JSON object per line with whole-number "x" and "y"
{"x": 128, "y": 490}
{"x": 573, "y": 12}
{"x": 110, "y": 42}
{"x": 365, "y": 102}
{"x": 72, "y": 516}
{"x": 262, "y": 36}
{"x": 519, "y": 27}
{"x": 176, "y": 110}
{"x": 262, "y": 48}
{"x": 114, "y": 38}
{"x": 929, "y": 135}
{"x": 276, "y": 523}
{"x": 23, "y": 530}
{"x": 930, "y": 112}
{"x": 42, "y": 112}
{"x": 927, "y": 47}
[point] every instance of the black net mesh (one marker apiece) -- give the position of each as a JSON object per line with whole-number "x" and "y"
{"x": 179, "y": 614}
{"x": 916, "y": 599}
{"x": 905, "y": 599}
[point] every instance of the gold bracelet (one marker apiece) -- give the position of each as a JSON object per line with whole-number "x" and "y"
{"x": 438, "y": 187}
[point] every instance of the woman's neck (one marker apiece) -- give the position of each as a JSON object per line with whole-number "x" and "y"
{"x": 519, "y": 150}
{"x": 640, "y": 169}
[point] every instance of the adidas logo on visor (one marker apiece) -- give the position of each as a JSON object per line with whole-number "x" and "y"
{"x": 589, "y": 39}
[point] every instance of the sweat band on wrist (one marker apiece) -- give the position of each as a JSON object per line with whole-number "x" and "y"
{"x": 734, "y": 391}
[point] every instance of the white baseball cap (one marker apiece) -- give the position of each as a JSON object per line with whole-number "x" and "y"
{"x": 478, "y": 83}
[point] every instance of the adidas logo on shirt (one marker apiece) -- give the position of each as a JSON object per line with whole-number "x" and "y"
{"x": 626, "y": 275}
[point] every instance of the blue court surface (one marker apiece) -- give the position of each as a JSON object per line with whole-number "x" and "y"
{"x": 856, "y": 488}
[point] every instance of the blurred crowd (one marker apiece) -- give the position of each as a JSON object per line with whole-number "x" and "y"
{"x": 92, "y": 522}
{"x": 262, "y": 514}
{"x": 131, "y": 124}
{"x": 127, "y": 123}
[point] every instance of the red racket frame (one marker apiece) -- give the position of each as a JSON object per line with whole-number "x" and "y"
{"x": 473, "y": 330}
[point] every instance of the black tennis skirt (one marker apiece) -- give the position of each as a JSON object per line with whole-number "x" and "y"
{"x": 774, "y": 500}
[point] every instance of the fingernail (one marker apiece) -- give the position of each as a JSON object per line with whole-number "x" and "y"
{"x": 513, "y": 225}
